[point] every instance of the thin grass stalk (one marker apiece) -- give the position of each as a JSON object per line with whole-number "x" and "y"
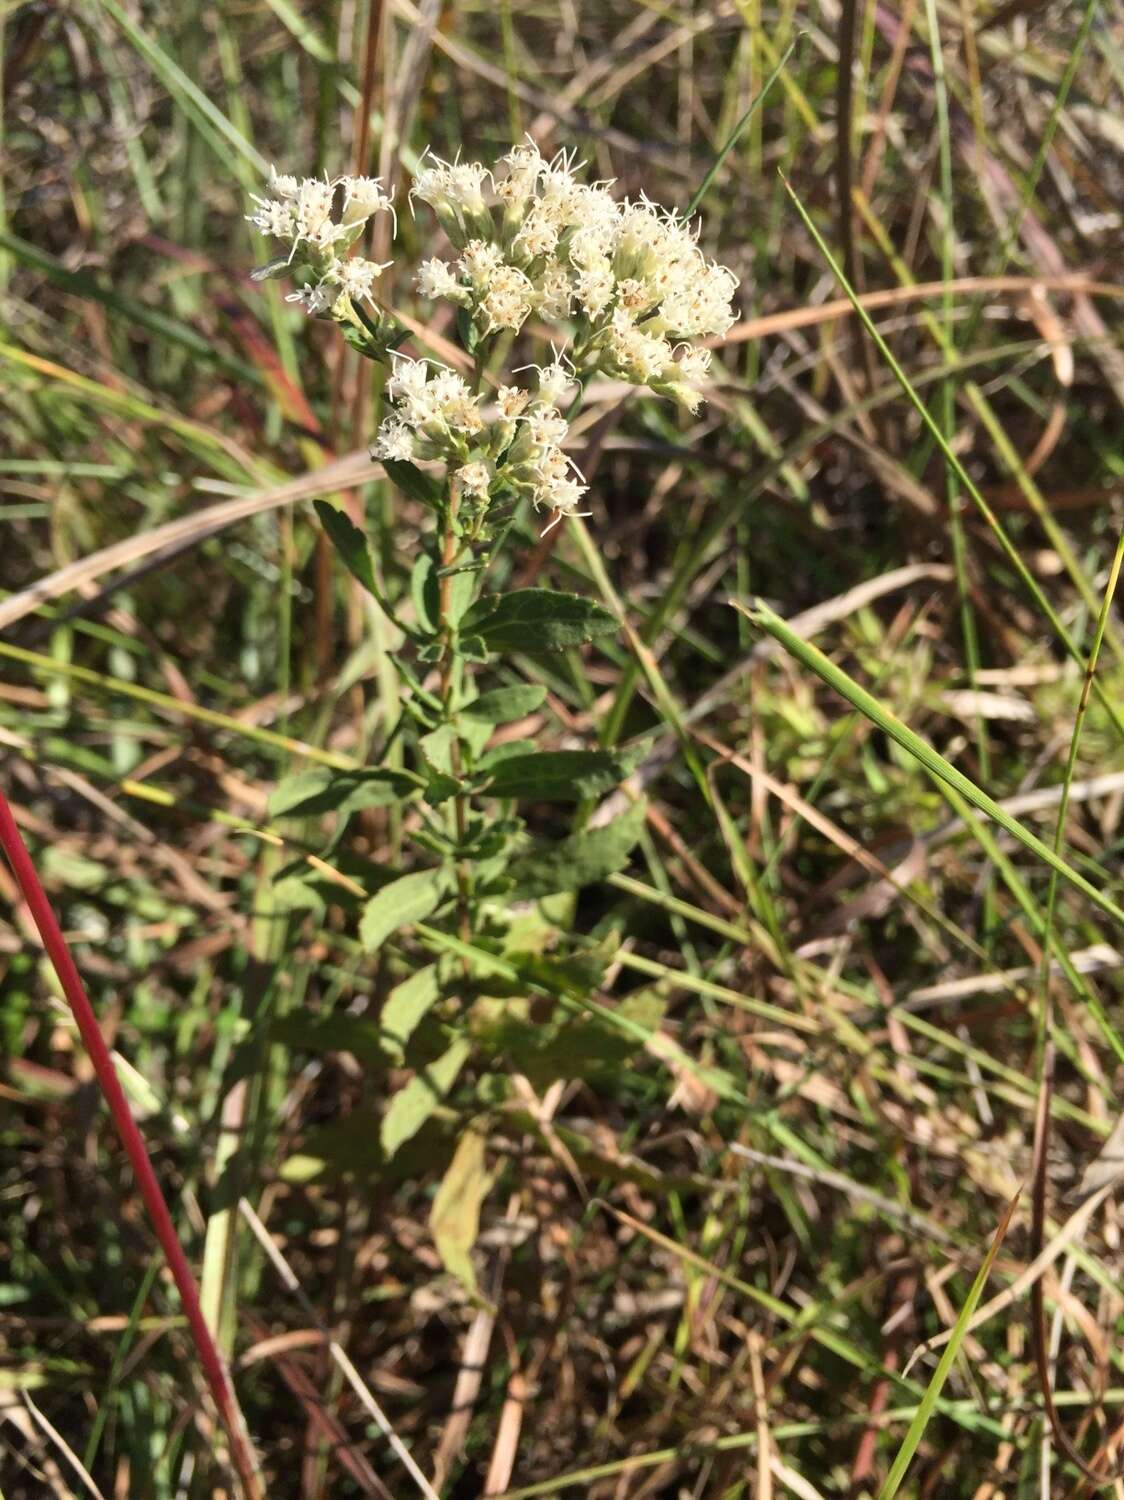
{"x": 211, "y": 1361}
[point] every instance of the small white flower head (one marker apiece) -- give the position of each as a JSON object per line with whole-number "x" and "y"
{"x": 394, "y": 440}
{"x": 452, "y": 403}
{"x": 272, "y": 217}
{"x": 479, "y": 263}
{"x": 594, "y": 290}
{"x": 700, "y": 304}
{"x": 455, "y": 192}
{"x": 559, "y": 192}
{"x": 555, "y": 380}
{"x": 564, "y": 497}
{"x": 474, "y": 479}
{"x": 281, "y": 184}
{"x": 693, "y": 366}
{"x": 507, "y": 300}
{"x": 407, "y": 380}
{"x": 511, "y": 401}
{"x": 312, "y": 210}
{"x": 316, "y": 298}
{"x": 637, "y": 355}
{"x": 362, "y": 197}
{"x": 435, "y": 279}
{"x": 524, "y": 166}
{"x": 538, "y": 236}
{"x": 555, "y": 292}
{"x": 356, "y": 276}
{"x": 637, "y": 230}
{"x": 546, "y": 427}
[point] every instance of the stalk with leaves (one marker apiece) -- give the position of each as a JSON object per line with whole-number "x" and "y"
{"x": 618, "y": 289}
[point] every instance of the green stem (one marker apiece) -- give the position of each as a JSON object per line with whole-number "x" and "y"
{"x": 449, "y": 548}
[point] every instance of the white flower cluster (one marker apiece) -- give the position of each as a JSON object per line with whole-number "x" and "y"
{"x": 302, "y": 212}
{"x": 629, "y": 276}
{"x": 434, "y": 415}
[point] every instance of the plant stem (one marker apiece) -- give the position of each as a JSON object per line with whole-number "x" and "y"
{"x": 214, "y": 1367}
{"x": 449, "y": 548}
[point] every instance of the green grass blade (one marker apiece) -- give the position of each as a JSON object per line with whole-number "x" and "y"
{"x": 737, "y": 133}
{"x": 1030, "y": 583}
{"x": 811, "y": 657}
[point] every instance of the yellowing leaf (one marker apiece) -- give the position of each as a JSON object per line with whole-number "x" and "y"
{"x": 454, "y": 1219}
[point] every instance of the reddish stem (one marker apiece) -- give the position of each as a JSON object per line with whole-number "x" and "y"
{"x": 214, "y": 1367}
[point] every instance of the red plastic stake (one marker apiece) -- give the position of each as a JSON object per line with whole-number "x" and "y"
{"x": 214, "y": 1366}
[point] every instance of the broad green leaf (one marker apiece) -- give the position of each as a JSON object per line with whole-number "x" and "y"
{"x": 478, "y": 718}
{"x": 292, "y": 893}
{"x": 338, "y": 1032}
{"x": 437, "y": 747}
{"x": 423, "y": 593}
{"x": 454, "y": 1219}
{"x": 504, "y": 705}
{"x": 309, "y": 793}
{"x": 413, "y": 482}
{"x": 412, "y": 1106}
{"x": 559, "y": 775}
{"x": 536, "y": 620}
{"x": 408, "y": 899}
{"x": 580, "y": 859}
{"x": 408, "y": 1003}
{"x": 505, "y": 751}
{"x": 350, "y": 543}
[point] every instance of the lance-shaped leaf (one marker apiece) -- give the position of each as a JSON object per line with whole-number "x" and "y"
{"x": 454, "y": 1219}
{"x": 412, "y": 1106}
{"x": 579, "y": 860}
{"x": 309, "y": 793}
{"x": 410, "y": 898}
{"x": 559, "y": 775}
{"x": 536, "y": 620}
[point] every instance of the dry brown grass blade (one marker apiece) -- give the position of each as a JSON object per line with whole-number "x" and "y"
{"x": 1040, "y": 1338}
{"x": 465, "y": 1391}
{"x": 355, "y": 468}
{"x": 335, "y": 1349}
{"x": 510, "y": 1425}
{"x": 1025, "y": 1279}
{"x": 325, "y": 1422}
{"x": 922, "y": 291}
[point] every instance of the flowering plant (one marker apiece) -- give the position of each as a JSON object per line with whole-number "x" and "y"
{"x": 618, "y": 288}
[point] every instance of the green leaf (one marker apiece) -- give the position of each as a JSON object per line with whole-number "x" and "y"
{"x": 413, "y": 482}
{"x": 454, "y": 1219}
{"x": 437, "y": 747}
{"x": 500, "y": 707}
{"x": 423, "y": 592}
{"x": 338, "y": 1032}
{"x": 350, "y": 543}
{"x": 560, "y": 775}
{"x": 294, "y": 894}
{"x": 309, "y": 793}
{"x": 505, "y": 751}
{"x": 410, "y": 898}
{"x": 505, "y": 705}
{"x": 537, "y": 620}
{"x": 580, "y": 859}
{"x": 412, "y": 1106}
{"x": 408, "y": 1003}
